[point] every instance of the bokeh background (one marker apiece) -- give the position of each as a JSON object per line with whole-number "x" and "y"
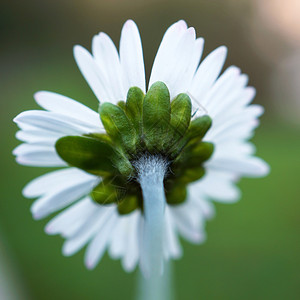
{"x": 252, "y": 250}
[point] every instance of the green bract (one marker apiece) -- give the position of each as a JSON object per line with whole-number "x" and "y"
{"x": 148, "y": 124}
{"x": 156, "y": 117}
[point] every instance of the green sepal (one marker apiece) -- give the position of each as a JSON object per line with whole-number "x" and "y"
{"x": 200, "y": 153}
{"x": 177, "y": 194}
{"x": 134, "y": 107}
{"x": 199, "y": 127}
{"x": 86, "y": 153}
{"x": 156, "y": 116}
{"x": 194, "y": 134}
{"x": 100, "y": 136}
{"x": 106, "y": 193}
{"x": 118, "y": 157}
{"x": 122, "y": 105}
{"x": 181, "y": 108}
{"x": 194, "y": 155}
{"x": 121, "y": 162}
{"x": 118, "y": 126}
{"x": 128, "y": 204}
{"x": 192, "y": 174}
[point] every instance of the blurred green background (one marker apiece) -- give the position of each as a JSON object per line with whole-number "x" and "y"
{"x": 252, "y": 251}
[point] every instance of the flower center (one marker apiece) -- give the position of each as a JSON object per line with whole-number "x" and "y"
{"x": 144, "y": 127}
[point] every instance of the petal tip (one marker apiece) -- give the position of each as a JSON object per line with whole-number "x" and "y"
{"x": 39, "y": 97}
{"x": 20, "y": 160}
{"x": 264, "y": 169}
{"x": 65, "y": 250}
{"x": 49, "y": 229}
{"x": 200, "y": 41}
{"x": 78, "y": 50}
{"x": 222, "y": 51}
{"x": 192, "y": 32}
{"x": 36, "y": 216}
{"x": 89, "y": 265}
{"x": 182, "y": 23}
{"x": 129, "y": 23}
{"x": 16, "y": 119}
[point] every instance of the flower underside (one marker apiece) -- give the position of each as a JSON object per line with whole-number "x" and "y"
{"x": 143, "y": 126}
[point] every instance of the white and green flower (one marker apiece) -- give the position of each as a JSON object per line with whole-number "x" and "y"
{"x": 144, "y": 169}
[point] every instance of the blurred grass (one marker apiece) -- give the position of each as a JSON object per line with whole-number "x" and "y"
{"x": 252, "y": 251}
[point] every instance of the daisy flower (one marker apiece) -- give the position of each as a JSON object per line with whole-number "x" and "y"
{"x": 144, "y": 169}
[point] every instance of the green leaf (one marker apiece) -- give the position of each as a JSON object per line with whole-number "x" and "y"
{"x": 156, "y": 116}
{"x": 134, "y": 107}
{"x": 118, "y": 126}
{"x": 89, "y": 154}
{"x": 128, "y": 204}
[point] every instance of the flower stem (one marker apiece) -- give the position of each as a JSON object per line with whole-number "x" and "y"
{"x": 151, "y": 171}
{"x": 157, "y": 288}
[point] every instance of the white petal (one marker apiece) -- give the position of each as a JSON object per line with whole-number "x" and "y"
{"x": 131, "y": 56}
{"x": 131, "y": 256}
{"x": 184, "y": 71}
{"x": 74, "y": 217}
{"x": 59, "y": 199}
{"x": 42, "y": 137}
{"x": 107, "y": 59}
{"x": 233, "y": 133}
{"x": 27, "y": 148}
{"x": 177, "y": 66}
{"x": 119, "y": 237}
{"x": 90, "y": 228}
{"x": 53, "y": 122}
{"x": 68, "y": 107}
{"x": 197, "y": 197}
{"x": 187, "y": 221}
{"x": 245, "y": 118}
{"x": 164, "y": 56}
{"x": 207, "y": 208}
{"x": 175, "y": 77}
{"x": 24, "y": 126}
{"x": 249, "y": 95}
{"x": 194, "y": 63}
{"x": 244, "y": 166}
{"x": 207, "y": 73}
{"x": 234, "y": 104}
{"x": 91, "y": 72}
{"x": 224, "y": 85}
{"x": 216, "y": 184}
{"x": 55, "y": 180}
{"x": 98, "y": 245}
{"x": 231, "y": 100}
{"x": 172, "y": 247}
{"x": 232, "y": 149}
{"x": 71, "y": 231}
{"x": 38, "y": 156}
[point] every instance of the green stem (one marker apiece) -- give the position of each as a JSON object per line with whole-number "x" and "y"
{"x": 157, "y": 288}
{"x": 151, "y": 172}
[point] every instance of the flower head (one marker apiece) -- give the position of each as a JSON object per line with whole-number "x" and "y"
{"x": 146, "y": 166}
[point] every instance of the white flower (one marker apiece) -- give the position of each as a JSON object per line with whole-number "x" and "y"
{"x": 225, "y": 98}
